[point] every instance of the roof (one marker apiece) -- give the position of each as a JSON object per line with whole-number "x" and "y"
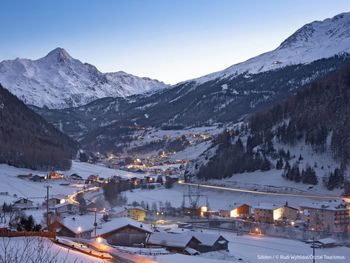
{"x": 205, "y": 238}
{"x": 120, "y": 222}
{"x": 85, "y": 222}
{"x": 169, "y": 239}
{"x": 327, "y": 240}
{"x": 236, "y": 205}
{"x": 267, "y": 206}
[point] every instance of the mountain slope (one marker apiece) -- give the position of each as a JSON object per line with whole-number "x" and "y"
{"x": 27, "y": 140}
{"x": 308, "y": 136}
{"x": 313, "y": 41}
{"x": 60, "y": 81}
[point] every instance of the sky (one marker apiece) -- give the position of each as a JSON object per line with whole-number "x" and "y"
{"x": 170, "y": 40}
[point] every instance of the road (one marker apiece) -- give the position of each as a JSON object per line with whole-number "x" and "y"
{"x": 322, "y": 197}
{"x": 71, "y": 198}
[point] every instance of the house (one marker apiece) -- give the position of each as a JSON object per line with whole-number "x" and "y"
{"x": 286, "y": 213}
{"x": 263, "y": 213}
{"x": 120, "y": 211}
{"x": 124, "y": 231}
{"x": 23, "y": 204}
{"x": 75, "y": 177}
{"x": 75, "y": 227}
{"x": 237, "y": 210}
{"x": 65, "y": 208}
{"x": 137, "y": 213}
{"x": 327, "y": 242}
{"x": 177, "y": 243}
{"x": 54, "y": 175}
{"x": 330, "y": 216}
{"x": 53, "y": 201}
{"x": 92, "y": 179}
{"x": 38, "y": 178}
{"x": 209, "y": 242}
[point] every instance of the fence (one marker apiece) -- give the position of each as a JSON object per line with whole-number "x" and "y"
{"x": 9, "y": 233}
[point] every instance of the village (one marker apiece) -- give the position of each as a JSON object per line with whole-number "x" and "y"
{"x": 83, "y": 221}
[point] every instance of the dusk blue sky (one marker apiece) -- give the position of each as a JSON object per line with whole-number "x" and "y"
{"x": 171, "y": 40}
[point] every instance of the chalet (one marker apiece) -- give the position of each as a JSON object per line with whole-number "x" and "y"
{"x": 54, "y": 175}
{"x": 75, "y": 177}
{"x": 53, "y": 201}
{"x": 118, "y": 212}
{"x": 137, "y": 213}
{"x": 75, "y": 227}
{"x": 124, "y": 231}
{"x": 178, "y": 243}
{"x": 330, "y": 216}
{"x": 209, "y": 242}
{"x": 23, "y": 204}
{"x": 65, "y": 208}
{"x": 263, "y": 213}
{"x": 38, "y": 178}
{"x": 92, "y": 179}
{"x": 237, "y": 210}
{"x": 286, "y": 213}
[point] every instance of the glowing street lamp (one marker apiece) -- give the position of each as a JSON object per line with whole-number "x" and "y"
{"x": 79, "y": 232}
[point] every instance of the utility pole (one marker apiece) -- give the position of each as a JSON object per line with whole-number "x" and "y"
{"x": 47, "y": 206}
{"x": 95, "y": 223}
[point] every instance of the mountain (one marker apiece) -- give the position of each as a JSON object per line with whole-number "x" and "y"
{"x": 27, "y": 140}
{"x": 60, "y": 81}
{"x": 314, "y": 51}
{"x": 313, "y": 41}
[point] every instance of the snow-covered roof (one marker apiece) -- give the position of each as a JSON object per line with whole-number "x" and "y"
{"x": 84, "y": 222}
{"x": 327, "y": 240}
{"x": 205, "y": 238}
{"x": 120, "y": 222}
{"x": 267, "y": 206}
{"x": 169, "y": 239}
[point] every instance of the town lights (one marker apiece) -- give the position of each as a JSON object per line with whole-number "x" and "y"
{"x": 79, "y": 231}
{"x": 99, "y": 239}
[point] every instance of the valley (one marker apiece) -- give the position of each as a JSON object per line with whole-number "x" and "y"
{"x": 245, "y": 164}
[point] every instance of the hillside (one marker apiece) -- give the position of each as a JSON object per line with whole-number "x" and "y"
{"x": 27, "y": 140}
{"x": 60, "y": 81}
{"x": 316, "y": 118}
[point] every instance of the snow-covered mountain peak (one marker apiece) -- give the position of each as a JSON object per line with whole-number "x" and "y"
{"x": 60, "y": 81}
{"x": 313, "y": 41}
{"x": 336, "y": 28}
{"x": 59, "y": 54}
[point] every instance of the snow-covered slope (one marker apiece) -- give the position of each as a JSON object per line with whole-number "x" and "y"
{"x": 59, "y": 81}
{"x": 319, "y": 39}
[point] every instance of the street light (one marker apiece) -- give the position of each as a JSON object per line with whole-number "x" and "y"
{"x": 313, "y": 245}
{"x": 79, "y": 231}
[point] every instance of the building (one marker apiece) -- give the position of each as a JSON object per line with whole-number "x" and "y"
{"x": 120, "y": 211}
{"x": 38, "y": 178}
{"x": 237, "y": 210}
{"x": 330, "y": 216}
{"x": 75, "y": 177}
{"x": 53, "y": 201}
{"x": 75, "y": 227}
{"x": 54, "y": 175}
{"x": 137, "y": 213}
{"x": 178, "y": 243}
{"x": 124, "y": 231}
{"x": 65, "y": 209}
{"x": 209, "y": 242}
{"x": 23, "y": 204}
{"x": 286, "y": 213}
{"x": 264, "y": 213}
